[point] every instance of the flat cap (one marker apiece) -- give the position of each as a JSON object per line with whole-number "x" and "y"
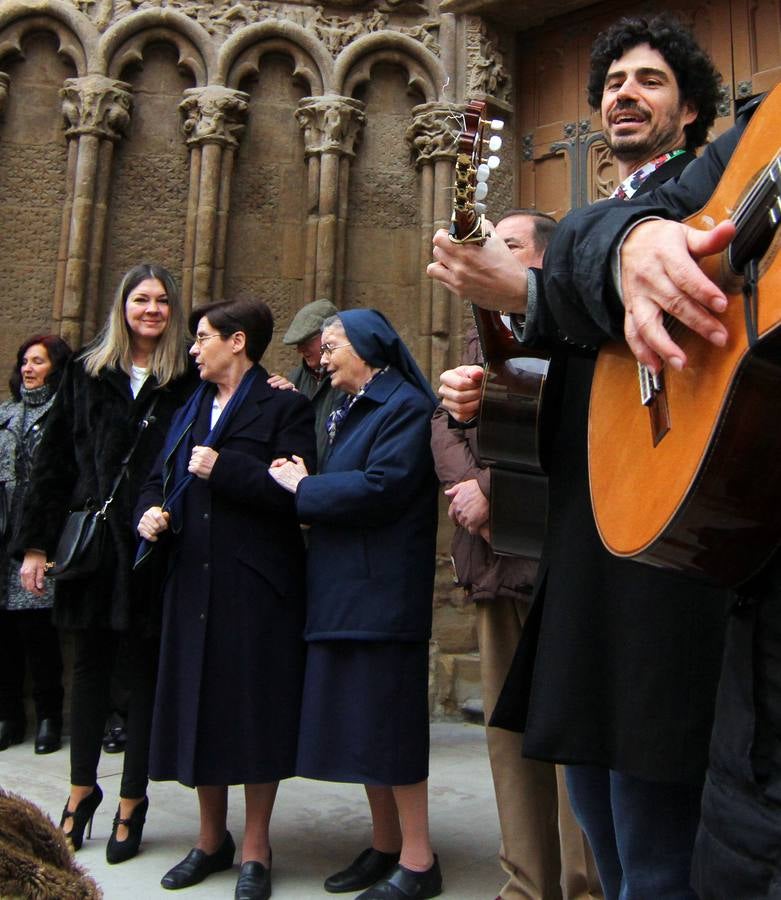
{"x": 308, "y": 321}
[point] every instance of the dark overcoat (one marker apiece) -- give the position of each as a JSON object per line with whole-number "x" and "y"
{"x": 91, "y": 426}
{"x": 619, "y": 661}
{"x": 373, "y": 512}
{"x": 232, "y": 655}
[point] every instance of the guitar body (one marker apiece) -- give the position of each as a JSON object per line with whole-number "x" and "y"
{"x": 702, "y": 495}
{"x": 512, "y": 436}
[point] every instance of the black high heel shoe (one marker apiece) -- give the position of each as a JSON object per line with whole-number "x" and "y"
{"x": 120, "y": 851}
{"x": 82, "y": 817}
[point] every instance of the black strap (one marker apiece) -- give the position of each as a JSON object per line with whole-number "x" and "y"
{"x": 142, "y": 427}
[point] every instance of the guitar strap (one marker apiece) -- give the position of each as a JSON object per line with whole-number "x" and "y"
{"x": 751, "y": 300}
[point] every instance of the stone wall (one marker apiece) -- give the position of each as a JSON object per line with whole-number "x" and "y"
{"x": 286, "y": 150}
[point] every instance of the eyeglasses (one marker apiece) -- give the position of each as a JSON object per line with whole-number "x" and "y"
{"x": 200, "y": 339}
{"x": 328, "y": 349}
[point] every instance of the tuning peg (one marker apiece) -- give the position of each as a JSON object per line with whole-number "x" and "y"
{"x": 483, "y": 172}
{"x": 494, "y": 143}
{"x": 496, "y": 125}
{"x": 492, "y": 162}
{"x": 480, "y": 209}
{"x": 481, "y": 191}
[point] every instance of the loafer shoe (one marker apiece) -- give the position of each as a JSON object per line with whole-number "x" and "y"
{"x": 11, "y": 732}
{"x": 369, "y": 866}
{"x": 403, "y": 884}
{"x": 48, "y": 737}
{"x": 197, "y": 865}
{"x": 254, "y": 882}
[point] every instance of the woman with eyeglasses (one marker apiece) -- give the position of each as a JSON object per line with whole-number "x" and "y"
{"x": 135, "y": 371}
{"x": 232, "y": 654}
{"x": 370, "y": 578}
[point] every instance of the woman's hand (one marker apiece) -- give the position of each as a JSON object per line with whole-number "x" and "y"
{"x": 153, "y": 522}
{"x": 32, "y": 572}
{"x": 281, "y": 383}
{"x": 288, "y": 473}
{"x": 202, "y": 461}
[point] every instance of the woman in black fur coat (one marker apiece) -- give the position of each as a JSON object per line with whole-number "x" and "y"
{"x": 138, "y": 359}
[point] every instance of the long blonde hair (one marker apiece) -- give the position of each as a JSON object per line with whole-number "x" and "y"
{"x": 112, "y": 346}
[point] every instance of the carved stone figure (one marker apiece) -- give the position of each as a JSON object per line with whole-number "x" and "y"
{"x": 434, "y": 131}
{"x": 330, "y": 124}
{"x": 213, "y": 114}
{"x": 96, "y": 105}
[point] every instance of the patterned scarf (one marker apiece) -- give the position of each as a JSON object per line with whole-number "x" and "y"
{"x": 630, "y": 185}
{"x": 335, "y": 419}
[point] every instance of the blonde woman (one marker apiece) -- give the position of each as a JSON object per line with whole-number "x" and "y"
{"x": 135, "y": 371}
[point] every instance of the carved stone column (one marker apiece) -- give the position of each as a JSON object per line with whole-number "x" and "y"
{"x": 213, "y": 121}
{"x": 332, "y": 127}
{"x": 432, "y": 138}
{"x": 97, "y": 113}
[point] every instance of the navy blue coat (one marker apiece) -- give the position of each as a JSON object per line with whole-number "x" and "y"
{"x": 231, "y": 654}
{"x": 373, "y": 512}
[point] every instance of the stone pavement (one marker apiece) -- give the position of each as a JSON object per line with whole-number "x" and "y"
{"x": 318, "y": 827}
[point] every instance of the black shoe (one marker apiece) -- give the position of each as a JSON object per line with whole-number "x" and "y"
{"x": 82, "y": 817}
{"x": 197, "y": 865}
{"x": 120, "y": 851}
{"x": 48, "y": 737}
{"x": 368, "y": 867}
{"x": 404, "y": 883}
{"x": 115, "y": 738}
{"x": 254, "y": 882}
{"x": 11, "y": 732}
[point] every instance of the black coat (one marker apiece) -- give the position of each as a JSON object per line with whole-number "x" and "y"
{"x": 738, "y": 849}
{"x": 618, "y": 662}
{"x": 90, "y": 428}
{"x": 231, "y": 653}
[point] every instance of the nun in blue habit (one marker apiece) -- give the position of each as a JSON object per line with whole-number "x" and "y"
{"x": 370, "y": 577}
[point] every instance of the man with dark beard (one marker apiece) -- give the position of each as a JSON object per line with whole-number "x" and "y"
{"x": 617, "y": 668}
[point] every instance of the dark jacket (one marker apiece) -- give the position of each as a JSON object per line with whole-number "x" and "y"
{"x": 738, "y": 848}
{"x": 618, "y": 661}
{"x": 22, "y": 424}
{"x": 373, "y": 512}
{"x": 324, "y": 398}
{"x": 231, "y": 653}
{"x": 483, "y": 574}
{"x": 91, "y": 426}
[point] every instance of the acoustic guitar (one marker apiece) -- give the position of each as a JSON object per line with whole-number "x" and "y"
{"x": 685, "y": 468}
{"x": 512, "y": 437}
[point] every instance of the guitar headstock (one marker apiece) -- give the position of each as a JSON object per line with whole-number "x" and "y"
{"x": 476, "y": 157}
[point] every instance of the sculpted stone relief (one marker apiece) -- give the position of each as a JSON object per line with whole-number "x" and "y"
{"x": 222, "y": 18}
{"x": 488, "y": 75}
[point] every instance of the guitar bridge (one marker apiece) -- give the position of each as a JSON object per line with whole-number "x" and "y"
{"x": 654, "y": 398}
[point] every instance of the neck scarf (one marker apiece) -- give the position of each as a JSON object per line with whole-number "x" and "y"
{"x": 337, "y": 416}
{"x": 631, "y": 184}
{"x": 177, "y": 449}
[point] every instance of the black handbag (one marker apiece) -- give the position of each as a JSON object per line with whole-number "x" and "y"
{"x": 80, "y": 547}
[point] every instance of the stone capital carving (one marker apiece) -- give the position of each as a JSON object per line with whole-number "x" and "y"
{"x": 94, "y": 104}
{"x": 331, "y": 124}
{"x": 213, "y": 115}
{"x": 434, "y": 131}
{"x": 5, "y": 83}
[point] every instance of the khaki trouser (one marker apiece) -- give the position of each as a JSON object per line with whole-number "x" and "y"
{"x": 542, "y": 848}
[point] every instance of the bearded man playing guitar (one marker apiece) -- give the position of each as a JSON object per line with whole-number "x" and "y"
{"x": 617, "y": 667}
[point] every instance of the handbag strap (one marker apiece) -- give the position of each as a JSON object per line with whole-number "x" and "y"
{"x": 142, "y": 427}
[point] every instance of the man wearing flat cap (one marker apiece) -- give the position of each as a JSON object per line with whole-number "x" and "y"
{"x": 310, "y": 378}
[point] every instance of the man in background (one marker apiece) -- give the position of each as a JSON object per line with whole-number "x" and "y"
{"x": 541, "y": 841}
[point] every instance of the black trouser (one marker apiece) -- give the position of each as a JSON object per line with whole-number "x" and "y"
{"x": 95, "y": 654}
{"x": 27, "y": 635}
